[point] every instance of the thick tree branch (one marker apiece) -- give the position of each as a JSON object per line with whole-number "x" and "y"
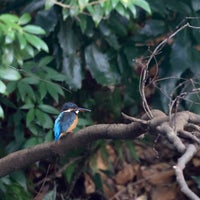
{"x": 23, "y": 158}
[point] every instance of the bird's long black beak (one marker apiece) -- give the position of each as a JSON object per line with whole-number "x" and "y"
{"x": 83, "y": 110}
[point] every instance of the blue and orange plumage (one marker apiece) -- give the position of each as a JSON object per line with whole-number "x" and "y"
{"x": 67, "y": 120}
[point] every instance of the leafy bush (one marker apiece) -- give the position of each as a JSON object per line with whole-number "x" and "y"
{"x": 88, "y": 47}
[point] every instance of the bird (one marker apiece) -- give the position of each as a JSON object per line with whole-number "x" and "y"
{"x": 67, "y": 120}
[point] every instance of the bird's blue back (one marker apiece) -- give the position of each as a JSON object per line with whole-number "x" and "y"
{"x": 63, "y": 123}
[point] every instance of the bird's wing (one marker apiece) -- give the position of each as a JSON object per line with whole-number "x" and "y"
{"x": 63, "y": 123}
{"x": 57, "y": 127}
{"x": 67, "y": 120}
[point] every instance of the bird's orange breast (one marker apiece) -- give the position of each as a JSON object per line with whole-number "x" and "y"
{"x": 73, "y": 125}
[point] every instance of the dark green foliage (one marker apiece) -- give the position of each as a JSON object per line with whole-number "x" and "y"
{"x": 14, "y": 187}
{"x": 85, "y": 53}
{"x": 197, "y": 180}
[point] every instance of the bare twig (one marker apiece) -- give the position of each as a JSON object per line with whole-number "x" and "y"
{"x": 144, "y": 74}
{"x": 133, "y": 119}
{"x": 60, "y": 4}
{"x": 182, "y": 161}
{"x": 188, "y": 135}
{"x": 67, "y": 6}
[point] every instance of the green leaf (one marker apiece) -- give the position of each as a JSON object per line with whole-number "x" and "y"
{"x": 45, "y": 60}
{"x": 5, "y": 181}
{"x": 34, "y": 29}
{"x": 28, "y": 105}
{"x": 43, "y": 119}
{"x": 109, "y": 35}
{"x": 8, "y": 56}
{"x": 153, "y": 28}
{"x": 54, "y": 75}
{"x": 192, "y": 103}
{"x": 122, "y": 11}
{"x": 20, "y": 178}
{"x": 22, "y": 41}
{"x": 125, "y": 3}
{"x": 30, "y": 116}
{"x": 72, "y": 70}
{"x": 48, "y": 20}
{"x": 31, "y": 80}
{"x": 108, "y": 6}
{"x": 74, "y": 8}
{"x": 36, "y": 42}
{"x": 119, "y": 28}
{"x": 54, "y": 89}
{"x": 180, "y": 55}
{"x": 195, "y": 5}
{"x": 1, "y": 112}
{"x": 42, "y": 89}
{"x": 82, "y": 122}
{"x": 10, "y": 74}
{"x": 71, "y": 62}
{"x": 31, "y": 142}
{"x": 51, "y": 195}
{"x": 132, "y": 8}
{"x": 48, "y": 109}
{"x": 97, "y": 14}
{"x": 10, "y": 37}
{"x": 19, "y": 58}
{"x": 179, "y": 61}
{"x": 11, "y": 87}
{"x": 24, "y": 19}
{"x": 48, "y": 4}
{"x": 8, "y": 17}
{"x": 35, "y": 129}
{"x": 16, "y": 191}
{"x": 8, "y": 102}
{"x": 82, "y": 3}
{"x": 68, "y": 40}
{"x": 114, "y": 3}
{"x": 99, "y": 67}
{"x": 2, "y": 87}
{"x": 70, "y": 171}
{"x": 49, "y": 136}
{"x": 65, "y": 14}
{"x": 25, "y": 90}
{"x": 142, "y": 4}
{"x": 181, "y": 7}
{"x": 29, "y": 50}
{"x": 3, "y": 28}
{"x": 40, "y": 116}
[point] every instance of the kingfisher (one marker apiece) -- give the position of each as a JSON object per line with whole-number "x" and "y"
{"x": 67, "y": 120}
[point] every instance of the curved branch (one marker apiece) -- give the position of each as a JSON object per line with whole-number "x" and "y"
{"x": 182, "y": 161}
{"x": 22, "y": 158}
